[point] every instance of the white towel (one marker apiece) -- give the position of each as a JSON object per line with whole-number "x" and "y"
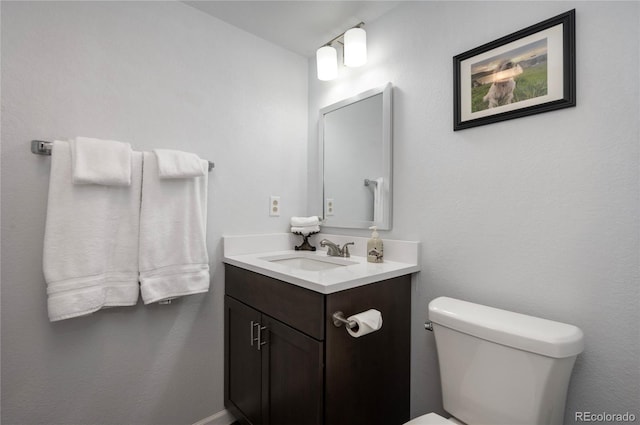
{"x": 174, "y": 164}
{"x": 90, "y": 241}
{"x": 314, "y": 220}
{"x": 305, "y": 230}
{"x": 378, "y": 200}
{"x": 173, "y": 249}
{"x": 105, "y": 162}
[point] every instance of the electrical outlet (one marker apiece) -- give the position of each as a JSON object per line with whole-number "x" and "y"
{"x": 329, "y": 206}
{"x": 274, "y": 206}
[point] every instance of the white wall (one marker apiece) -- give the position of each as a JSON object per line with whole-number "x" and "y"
{"x": 155, "y": 74}
{"x": 539, "y": 214}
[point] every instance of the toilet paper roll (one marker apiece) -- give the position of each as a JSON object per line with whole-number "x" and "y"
{"x": 368, "y": 321}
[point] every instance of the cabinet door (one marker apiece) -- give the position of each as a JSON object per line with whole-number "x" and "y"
{"x": 243, "y": 376}
{"x": 292, "y": 375}
{"x": 368, "y": 378}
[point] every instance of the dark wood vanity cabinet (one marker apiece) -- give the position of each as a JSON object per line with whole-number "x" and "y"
{"x": 286, "y": 363}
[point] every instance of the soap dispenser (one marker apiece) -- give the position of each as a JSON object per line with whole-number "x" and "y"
{"x": 375, "y": 250}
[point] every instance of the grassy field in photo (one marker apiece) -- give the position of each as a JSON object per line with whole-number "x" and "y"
{"x": 530, "y": 84}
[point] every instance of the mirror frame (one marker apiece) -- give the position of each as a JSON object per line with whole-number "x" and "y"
{"x": 387, "y": 158}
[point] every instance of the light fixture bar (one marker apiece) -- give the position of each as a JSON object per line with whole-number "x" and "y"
{"x": 334, "y": 39}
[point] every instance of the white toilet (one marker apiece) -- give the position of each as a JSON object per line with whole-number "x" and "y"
{"x": 499, "y": 367}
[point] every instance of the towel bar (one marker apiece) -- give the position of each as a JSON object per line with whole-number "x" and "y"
{"x": 42, "y": 147}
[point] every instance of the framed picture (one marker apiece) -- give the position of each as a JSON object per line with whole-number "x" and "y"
{"x": 524, "y": 73}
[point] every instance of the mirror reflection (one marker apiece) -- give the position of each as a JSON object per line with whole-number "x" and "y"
{"x": 355, "y": 143}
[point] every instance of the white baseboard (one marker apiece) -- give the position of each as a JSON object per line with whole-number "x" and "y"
{"x": 223, "y": 417}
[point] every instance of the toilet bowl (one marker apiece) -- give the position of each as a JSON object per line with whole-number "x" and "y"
{"x": 433, "y": 419}
{"x": 499, "y": 367}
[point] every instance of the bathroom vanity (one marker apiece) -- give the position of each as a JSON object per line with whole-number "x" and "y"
{"x": 285, "y": 360}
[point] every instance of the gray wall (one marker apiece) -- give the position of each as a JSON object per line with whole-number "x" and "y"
{"x": 155, "y": 74}
{"x": 539, "y": 214}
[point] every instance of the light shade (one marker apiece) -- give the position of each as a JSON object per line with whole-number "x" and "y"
{"x": 327, "y": 63}
{"x": 355, "y": 47}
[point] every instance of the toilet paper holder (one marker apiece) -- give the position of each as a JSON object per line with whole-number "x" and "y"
{"x": 339, "y": 320}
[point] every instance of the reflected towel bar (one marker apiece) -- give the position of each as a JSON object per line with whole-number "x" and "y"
{"x": 368, "y": 182}
{"x": 42, "y": 147}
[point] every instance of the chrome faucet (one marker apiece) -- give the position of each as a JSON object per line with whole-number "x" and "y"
{"x": 334, "y": 250}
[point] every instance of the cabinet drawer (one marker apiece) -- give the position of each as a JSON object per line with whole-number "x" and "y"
{"x": 297, "y": 307}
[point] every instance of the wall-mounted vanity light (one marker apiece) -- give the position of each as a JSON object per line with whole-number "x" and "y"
{"x": 327, "y": 62}
{"x": 354, "y": 52}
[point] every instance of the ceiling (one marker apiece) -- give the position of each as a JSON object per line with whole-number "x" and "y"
{"x": 301, "y": 26}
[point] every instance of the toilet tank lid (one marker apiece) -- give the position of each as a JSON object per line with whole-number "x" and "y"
{"x": 533, "y": 334}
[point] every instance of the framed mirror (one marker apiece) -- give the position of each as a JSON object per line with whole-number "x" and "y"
{"x": 356, "y": 160}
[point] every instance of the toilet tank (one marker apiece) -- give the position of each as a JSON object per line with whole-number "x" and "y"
{"x": 499, "y": 367}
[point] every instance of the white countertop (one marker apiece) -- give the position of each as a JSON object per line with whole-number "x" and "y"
{"x": 250, "y": 253}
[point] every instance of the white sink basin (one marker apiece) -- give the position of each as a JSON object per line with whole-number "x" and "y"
{"x": 308, "y": 262}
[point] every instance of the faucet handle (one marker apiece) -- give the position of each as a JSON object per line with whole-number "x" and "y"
{"x": 345, "y": 249}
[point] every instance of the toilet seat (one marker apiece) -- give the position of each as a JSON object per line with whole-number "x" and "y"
{"x": 432, "y": 419}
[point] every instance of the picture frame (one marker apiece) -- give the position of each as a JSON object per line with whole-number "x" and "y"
{"x": 528, "y": 72}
